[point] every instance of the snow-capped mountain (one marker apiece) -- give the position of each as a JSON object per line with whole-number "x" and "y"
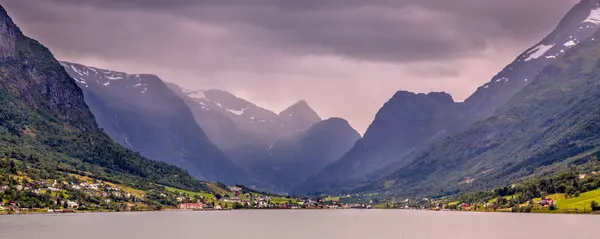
{"x": 580, "y": 24}
{"x": 141, "y": 113}
{"x": 87, "y": 75}
{"x": 266, "y": 126}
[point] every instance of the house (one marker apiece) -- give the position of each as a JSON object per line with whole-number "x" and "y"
{"x": 264, "y": 198}
{"x": 233, "y": 200}
{"x": 72, "y": 204}
{"x": 191, "y": 206}
{"x": 235, "y": 189}
{"x": 546, "y": 202}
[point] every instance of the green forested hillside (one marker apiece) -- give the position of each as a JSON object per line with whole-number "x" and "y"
{"x": 45, "y": 123}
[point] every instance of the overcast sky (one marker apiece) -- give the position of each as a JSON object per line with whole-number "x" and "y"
{"x": 345, "y": 57}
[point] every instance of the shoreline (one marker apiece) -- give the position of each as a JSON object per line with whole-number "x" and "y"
{"x": 5, "y": 213}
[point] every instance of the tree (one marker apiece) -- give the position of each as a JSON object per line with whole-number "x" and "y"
{"x": 595, "y": 206}
{"x": 570, "y": 191}
{"x": 12, "y": 168}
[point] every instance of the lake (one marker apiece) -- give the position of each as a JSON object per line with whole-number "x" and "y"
{"x": 302, "y": 224}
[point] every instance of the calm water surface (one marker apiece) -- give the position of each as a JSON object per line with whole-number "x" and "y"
{"x": 359, "y": 224}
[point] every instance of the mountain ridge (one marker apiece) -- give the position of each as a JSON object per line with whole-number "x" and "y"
{"x": 140, "y": 112}
{"x": 369, "y": 162}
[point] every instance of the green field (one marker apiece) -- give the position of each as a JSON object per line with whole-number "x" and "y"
{"x": 281, "y": 200}
{"x": 575, "y": 204}
{"x": 208, "y": 196}
{"x": 332, "y": 199}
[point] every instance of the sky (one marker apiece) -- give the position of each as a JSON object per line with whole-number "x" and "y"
{"x": 346, "y": 58}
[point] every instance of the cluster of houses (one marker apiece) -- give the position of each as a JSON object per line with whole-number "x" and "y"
{"x": 252, "y": 201}
{"x": 42, "y": 187}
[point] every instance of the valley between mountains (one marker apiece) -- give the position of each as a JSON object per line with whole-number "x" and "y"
{"x": 537, "y": 118}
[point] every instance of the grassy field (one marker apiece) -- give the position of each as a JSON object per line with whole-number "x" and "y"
{"x": 126, "y": 189}
{"x": 332, "y": 199}
{"x": 281, "y": 200}
{"x": 580, "y": 203}
{"x": 575, "y": 204}
{"x": 208, "y": 196}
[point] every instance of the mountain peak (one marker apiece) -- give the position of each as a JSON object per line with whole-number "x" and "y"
{"x": 298, "y": 117}
{"x": 300, "y": 108}
{"x": 441, "y": 97}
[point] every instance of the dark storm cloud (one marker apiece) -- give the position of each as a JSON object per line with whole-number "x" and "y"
{"x": 345, "y": 57}
{"x": 384, "y": 30}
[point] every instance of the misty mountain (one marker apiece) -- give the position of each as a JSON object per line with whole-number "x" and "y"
{"x": 44, "y": 120}
{"x": 140, "y": 112}
{"x": 294, "y": 159}
{"x": 281, "y": 150}
{"x": 405, "y": 123}
{"x": 387, "y": 146}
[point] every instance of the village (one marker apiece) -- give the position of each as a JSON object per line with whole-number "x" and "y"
{"x": 248, "y": 200}
{"x": 62, "y": 196}
{"x": 77, "y": 195}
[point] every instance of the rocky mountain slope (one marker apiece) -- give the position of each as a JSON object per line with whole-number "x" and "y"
{"x": 401, "y": 126}
{"x": 367, "y": 162}
{"x": 45, "y": 121}
{"x": 139, "y": 112}
{"x": 551, "y": 120}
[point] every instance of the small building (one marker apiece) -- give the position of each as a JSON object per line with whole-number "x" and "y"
{"x": 235, "y": 189}
{"x": 546, "y": 202}
{"x": 72, "y": 204}
{"x": 191, "y": 206}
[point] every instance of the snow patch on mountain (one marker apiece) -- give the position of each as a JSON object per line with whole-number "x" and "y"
{"x": 594, "y": 17}
{"x": 570, "y": 43}
{"x": 238, "y": 112}
{"x": 194, "y": 94}
{"x": 538, "y": 51}
{"x": 86, "y": 75}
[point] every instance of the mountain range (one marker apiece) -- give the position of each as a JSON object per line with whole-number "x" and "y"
{"x": 266, "y": 144}
{"x": 537, "y": 115}
{"x": 242, "y": 143}
{"x": 455, "y": 150}
{"x": 141, "y": 113}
